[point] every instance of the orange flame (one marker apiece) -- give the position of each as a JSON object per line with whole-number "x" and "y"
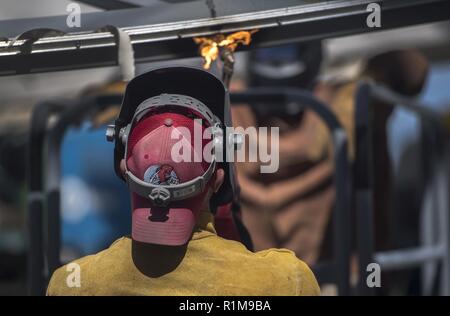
{"x": 210, "y": 46}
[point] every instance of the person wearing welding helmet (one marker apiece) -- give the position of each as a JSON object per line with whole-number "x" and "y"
{"x": 173, "y": 248}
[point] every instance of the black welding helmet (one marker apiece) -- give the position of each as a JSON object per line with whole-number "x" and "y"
{"x": 293, "y": 65}
{"x": 193, "y": 83}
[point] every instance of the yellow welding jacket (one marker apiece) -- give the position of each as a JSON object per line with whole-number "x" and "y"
{"x": 208, "y": 266}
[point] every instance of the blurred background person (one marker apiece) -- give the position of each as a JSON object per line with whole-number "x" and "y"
{"x": 290, "y": 208}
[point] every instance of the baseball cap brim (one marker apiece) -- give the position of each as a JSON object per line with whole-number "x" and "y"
{"x": 175, "y": 231}
{"x": 172, "y": 226}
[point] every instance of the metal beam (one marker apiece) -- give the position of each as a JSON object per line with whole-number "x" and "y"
{"x": 110, "y": 4}
{"x": 173, "y": 40}
{"x": 406, "y": 258}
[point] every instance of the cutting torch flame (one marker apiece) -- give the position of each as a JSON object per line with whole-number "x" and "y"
{"x": 210, "y": 46}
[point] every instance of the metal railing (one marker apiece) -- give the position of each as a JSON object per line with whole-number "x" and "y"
{"x": 43, "y": 218}
{"x": 437, "y": 161}
{"x": 36, "y": 194}
{"x": 75, "y": 113}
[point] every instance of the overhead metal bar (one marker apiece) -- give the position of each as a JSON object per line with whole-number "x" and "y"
{"x": 173, "y": 40}
{"x": 110, "y": 4}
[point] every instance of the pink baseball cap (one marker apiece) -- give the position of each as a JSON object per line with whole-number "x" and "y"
{"x": 149, "y": 158}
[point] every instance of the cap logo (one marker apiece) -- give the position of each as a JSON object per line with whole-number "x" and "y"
{"x": 161, "y": 175}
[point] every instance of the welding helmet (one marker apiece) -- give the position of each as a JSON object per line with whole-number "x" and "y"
{"x": 292, "y": 65}
{"x": 195, "y": 90}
